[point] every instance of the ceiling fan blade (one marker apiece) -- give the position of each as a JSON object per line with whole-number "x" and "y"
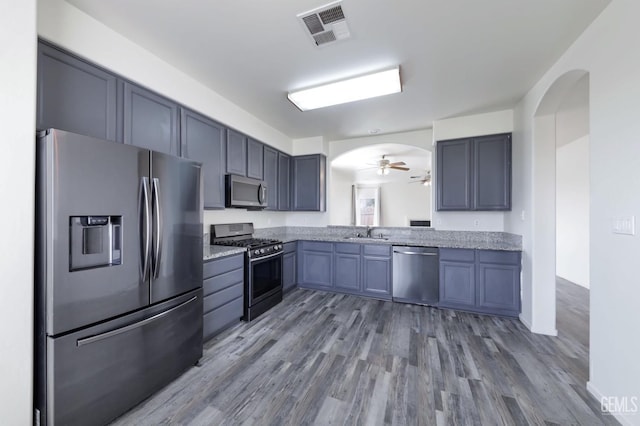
{"x": 398, "y": 163}
{"x": 404, "y": 169}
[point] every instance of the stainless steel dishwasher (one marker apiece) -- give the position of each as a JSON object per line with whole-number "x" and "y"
{"x": 415, "y": 275}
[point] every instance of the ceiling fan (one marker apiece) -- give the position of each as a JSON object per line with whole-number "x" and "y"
{"x": 423, "y": 179}
{"x": 383, "y": 165}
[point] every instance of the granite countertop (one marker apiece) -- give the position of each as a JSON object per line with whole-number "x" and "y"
{"x": 214, "y": 252}
{"x": 432, "y": 238}
{"x": 393, "y": 236}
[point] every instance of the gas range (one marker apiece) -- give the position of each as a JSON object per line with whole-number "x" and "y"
{"x": 263, "y": 266}
{"x": 256, "y": 247}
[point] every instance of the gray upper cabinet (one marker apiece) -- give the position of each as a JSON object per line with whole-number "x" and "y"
{"x": 284, "y": 182}
{"x": 203, "y": 140}
{"x": 309, "y": 182}
{"x": 271, "y": 177}
{"x": 492, "y": 171}
{"x": 236, "y": 153}
{"x": 454, "y": 169}
{"x": 150, "y": 121}
{"x": 474, "y": 173}
{"x": 74, "y": 95}
{"x": 255, "y": 159}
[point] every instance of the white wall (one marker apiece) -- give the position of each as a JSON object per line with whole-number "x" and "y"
{"x": 17, "y": 176}
{"x": 419, "y": 138}
{"x": 607, "y": 50}
{"x": 572, "y": 211}
{"x": 340, "y": 197}
{"x": 461, "y": 127}
{"x": 402, "y": 201}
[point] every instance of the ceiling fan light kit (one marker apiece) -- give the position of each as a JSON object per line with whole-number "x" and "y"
{"x": 367, "y": 86}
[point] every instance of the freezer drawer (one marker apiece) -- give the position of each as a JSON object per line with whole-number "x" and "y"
{"x": 96, "y": 374}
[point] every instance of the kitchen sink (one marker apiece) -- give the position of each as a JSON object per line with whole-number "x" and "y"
{"x": 366, "y": 238}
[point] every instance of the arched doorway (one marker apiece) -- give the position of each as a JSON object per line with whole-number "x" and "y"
{"x": 549, "y": 131}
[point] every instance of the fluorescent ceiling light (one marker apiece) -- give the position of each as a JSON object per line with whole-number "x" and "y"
{"x": 354, "y": 89}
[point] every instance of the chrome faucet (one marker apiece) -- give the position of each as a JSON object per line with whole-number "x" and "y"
{"x": 369, "y": 229}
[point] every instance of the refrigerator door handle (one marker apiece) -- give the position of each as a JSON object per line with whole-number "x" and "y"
{"x": 117, "y": 331}
{"x": 145, "y": 227}
{"x": 158, "y": 231}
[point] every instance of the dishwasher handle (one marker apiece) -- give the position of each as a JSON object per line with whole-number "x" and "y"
{"x": 416, "y": 253}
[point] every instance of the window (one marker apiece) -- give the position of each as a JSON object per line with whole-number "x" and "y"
{"x": 367, "y": 205}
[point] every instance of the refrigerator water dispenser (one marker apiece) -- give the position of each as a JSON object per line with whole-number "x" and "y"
{"x": 95, "y": 241}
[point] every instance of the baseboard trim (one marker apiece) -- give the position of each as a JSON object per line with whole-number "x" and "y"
{"x": 624, "y": 420}
{"x": 552, "y": 332}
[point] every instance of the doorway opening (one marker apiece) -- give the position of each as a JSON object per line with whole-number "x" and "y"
{"x": 561, "y": 212}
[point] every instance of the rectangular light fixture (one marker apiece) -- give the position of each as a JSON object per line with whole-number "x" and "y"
{"x": 353, "y": 89}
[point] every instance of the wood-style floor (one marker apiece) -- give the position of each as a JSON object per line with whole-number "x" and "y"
{"x": 326, "y": 359}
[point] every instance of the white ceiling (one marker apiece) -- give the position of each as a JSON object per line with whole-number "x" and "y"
{"x": 360, "y": 163}
{"x": 456, "y": 56}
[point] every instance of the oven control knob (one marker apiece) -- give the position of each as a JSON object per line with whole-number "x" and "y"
{"x": 261, "y": 251}
{"x": 278, "y": 247}
{"x": 256, "y": 252}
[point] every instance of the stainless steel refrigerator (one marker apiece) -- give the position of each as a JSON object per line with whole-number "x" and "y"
{"x": 118, "y": 275}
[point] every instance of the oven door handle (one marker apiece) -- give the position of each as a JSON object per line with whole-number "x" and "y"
{"x": 267, "y": 257}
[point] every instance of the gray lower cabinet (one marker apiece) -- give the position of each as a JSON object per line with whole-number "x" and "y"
{"x": 485, "y": 281}
{"x": 255, "y": 159}
{"x": 223, "y": 290}
{"x": 236, "y": 153}
{"x": 309, "y": 182}
{"x": 74, "y": 95}
{"x": 284, "y": 182}
{"x": 474, "y": 173}
{"x": 361, "y": 269}
{"x": 348, "y": 267}
{"x": 499, "y": 282}
{"x": 457, "y": 278}
{"x": 271, "y": 177}
{"x": 376, "y": 269}
{"x": 203, "y": 140}
{"x": 289, "y": 266}
{"x": 315, "y": 264}
{"x": 149, "y": 120}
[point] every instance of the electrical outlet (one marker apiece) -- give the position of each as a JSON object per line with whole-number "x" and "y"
{"x": 625, "y": 225}
{"x": 476, "y": 223}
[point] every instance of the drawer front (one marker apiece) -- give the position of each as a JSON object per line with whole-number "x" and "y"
{"x": 222, "y": 265}
{"x": 317, "y": 246}
{"x": 220, "y": 282}
{"x": 222, "y": 317}
{"x": 290, "y": 247}
{"x": 349, "y": 248}
{"x": 222, "y": 297}
{"x": 377, "y": 250}
{"x": 499, "y": 257}
{"x": 458, "y": 255}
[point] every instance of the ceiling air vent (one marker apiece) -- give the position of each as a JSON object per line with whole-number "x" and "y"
{"x": 326, "y": 24}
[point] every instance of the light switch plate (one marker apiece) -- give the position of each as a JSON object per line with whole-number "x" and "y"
{"x": 625, "y": 225}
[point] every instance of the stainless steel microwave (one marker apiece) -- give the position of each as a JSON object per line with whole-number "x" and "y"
{"x": 245, "y": 192}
